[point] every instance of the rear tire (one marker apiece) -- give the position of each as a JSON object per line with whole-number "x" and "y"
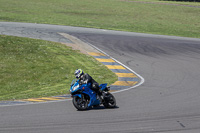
{"x": 78, "y": 104}
{"x": 109, "y": 101}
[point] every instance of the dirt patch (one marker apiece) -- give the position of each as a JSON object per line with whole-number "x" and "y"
{"x": 78, "y": 44}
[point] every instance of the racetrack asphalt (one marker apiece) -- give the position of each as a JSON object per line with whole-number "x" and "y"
{"x": 167, "y": 102}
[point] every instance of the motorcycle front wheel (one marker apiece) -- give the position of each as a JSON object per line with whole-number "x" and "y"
{"x": 109, "y": 101}
{"x": 79, "y": 104}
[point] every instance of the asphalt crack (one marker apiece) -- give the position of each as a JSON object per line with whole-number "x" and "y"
{"x": 183, "y": 126}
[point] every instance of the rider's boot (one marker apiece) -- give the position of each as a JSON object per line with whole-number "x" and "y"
{"x": 99, "y": 93}
{"x": 99, "y": 98}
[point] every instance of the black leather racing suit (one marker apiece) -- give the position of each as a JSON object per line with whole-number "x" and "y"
{"x": 86, "y": 78}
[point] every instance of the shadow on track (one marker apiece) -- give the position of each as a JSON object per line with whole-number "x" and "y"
{"x": 98, "y": 108}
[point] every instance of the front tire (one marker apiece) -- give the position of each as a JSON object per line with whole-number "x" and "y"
{"x": 79, "y": 104}
{"x": 109, "y": 101}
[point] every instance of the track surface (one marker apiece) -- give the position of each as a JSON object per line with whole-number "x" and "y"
{"x": 168, "y": 101}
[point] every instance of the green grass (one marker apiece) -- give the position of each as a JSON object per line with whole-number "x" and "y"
{"x": 108, "y": 14}
{"x": 36, "y": 68}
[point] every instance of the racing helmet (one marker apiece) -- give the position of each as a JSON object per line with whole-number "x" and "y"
{"x": 78, "y": 73}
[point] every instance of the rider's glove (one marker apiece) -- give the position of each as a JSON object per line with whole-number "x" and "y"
{"x": 85, "y": 82}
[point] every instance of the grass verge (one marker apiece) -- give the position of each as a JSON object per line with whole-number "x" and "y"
{"x": 36, "y": 68}
{"x": 145, "y": 16}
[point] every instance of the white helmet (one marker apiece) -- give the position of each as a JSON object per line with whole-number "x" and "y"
{"x": 78, "y": 73}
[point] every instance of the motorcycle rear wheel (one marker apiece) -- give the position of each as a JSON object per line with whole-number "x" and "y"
{"x": 79, "y": 104}
{"x": 109, "y": 101}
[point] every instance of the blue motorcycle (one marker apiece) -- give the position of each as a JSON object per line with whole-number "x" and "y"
{"x": 83, "y": 97}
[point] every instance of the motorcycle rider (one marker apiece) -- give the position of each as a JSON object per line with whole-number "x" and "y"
{"x": 85, "y": 78}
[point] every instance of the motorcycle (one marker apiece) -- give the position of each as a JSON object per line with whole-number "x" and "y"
{"x": 83, "y": 97}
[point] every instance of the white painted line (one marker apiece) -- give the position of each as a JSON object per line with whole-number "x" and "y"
{"x": 142, "y": 79}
